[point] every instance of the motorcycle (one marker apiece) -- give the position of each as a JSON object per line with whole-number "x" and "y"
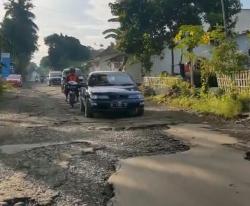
{"x": 73, "y": 89}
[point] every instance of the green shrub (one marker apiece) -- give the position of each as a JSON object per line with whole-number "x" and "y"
{"x": 4, "y": 86}
{"x": 147, "y": 91}
{"x": 1, "y": 89}
{"x": 245, "y": 100}
{"x": 225, "y": 106}
{"x": 176, "y": 87}
{"x": 159, "y": 99}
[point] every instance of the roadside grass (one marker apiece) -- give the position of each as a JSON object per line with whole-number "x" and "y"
{"x": 4, "y": 87}
{"x": 226, "y": 106}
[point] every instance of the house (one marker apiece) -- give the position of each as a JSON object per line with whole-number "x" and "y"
{"x": 242, "y": 28}
{"x": 113, "y": 60}
{"x": 108, "y": 60}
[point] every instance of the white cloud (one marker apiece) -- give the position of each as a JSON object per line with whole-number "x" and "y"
{"x": 83, "y": 19}
{"x": 1, "y": 9}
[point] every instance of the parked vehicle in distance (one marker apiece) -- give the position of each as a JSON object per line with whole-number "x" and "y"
{"x": 15, "y": 80}
{"x": 54, "y": 78}
{"x": 111, "y": 92}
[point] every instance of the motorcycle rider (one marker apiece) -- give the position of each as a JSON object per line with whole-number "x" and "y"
{"x": 72, "y": 77}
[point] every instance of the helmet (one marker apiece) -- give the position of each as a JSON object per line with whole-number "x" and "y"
{"x": 72, "y": 70}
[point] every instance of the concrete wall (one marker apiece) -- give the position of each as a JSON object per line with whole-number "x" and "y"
{"x": 163, "y": 63}
{"x": 135, "y": 71}
{"x": 244, "y": 43}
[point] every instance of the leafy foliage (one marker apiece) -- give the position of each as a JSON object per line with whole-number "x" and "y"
{"x": 212, "y": 12}
{"x": 227, "y": 59}
{"x": 225, "y": 106}
{"x": 19, "y": 32}
{"x": 189, "y": 36}
{"x": 147, "y": 27}
{"x": 64, "y": 51}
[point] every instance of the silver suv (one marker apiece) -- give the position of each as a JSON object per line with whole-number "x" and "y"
{"x": 54, "y": 78}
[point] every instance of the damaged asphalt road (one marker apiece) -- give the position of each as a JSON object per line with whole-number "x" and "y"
{"x": 52, "y": 155}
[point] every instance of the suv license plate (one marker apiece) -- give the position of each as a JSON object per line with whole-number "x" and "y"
{"x": 119, "y": 104}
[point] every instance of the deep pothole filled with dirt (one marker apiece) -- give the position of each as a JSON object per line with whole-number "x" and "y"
{"x": 77, "y": 173}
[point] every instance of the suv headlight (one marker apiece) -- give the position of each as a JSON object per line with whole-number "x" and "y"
{"x": 102, "y": 97}
{"x": 136, "y": 96}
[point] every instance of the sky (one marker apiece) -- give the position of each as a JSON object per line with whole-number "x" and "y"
{"x": 83, "y": 19}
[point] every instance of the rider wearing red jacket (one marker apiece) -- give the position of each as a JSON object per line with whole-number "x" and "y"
{"x": 72, "y": 77}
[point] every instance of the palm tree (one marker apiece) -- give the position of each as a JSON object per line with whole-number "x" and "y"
{"x": 112, "y": 33}
{"x": 20, "y": 32}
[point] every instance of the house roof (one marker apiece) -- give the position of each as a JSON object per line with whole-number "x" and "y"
{"x": 108, "y": 54}
{"x": 243, "y": 22}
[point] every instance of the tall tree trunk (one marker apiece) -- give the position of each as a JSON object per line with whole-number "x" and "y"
{"x": 172, "y": 59}
{"x": 192, "y": 73}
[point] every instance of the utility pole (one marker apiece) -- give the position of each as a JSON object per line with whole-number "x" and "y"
{"x": 224, "y": 16}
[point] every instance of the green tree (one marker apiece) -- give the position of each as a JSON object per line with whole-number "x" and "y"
{"x": 45, "y": 62}
{"x": 148, "y": 26}
{"x": 188, "y": 38}
{"x": 31, "y": 67}
{"x": 20, "y": 32}
{"x": 212, "y": 14}
{"x": 176, "y": 13}
{"x": 44, "y": 66}
{"x": 64, "y": 51}
{"x": 140, "y": 34}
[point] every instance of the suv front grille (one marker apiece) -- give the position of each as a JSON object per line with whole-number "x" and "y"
{"x": 117, "y": 97}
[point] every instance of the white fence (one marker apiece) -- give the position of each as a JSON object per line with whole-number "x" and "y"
{"x": 159, "y": 82}
{"x": 239, "y": 81}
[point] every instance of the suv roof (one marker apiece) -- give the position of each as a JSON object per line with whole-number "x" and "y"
{"x": 55, "y": 72}
{"x": 78, "y": 71}
{"x": 107, "y": 72}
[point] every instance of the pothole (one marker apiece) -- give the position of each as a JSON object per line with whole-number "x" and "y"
{"x": 131, "y": 128}
{"x": 247, "y": 157}
{"x": 26, "y": 201}
{"x": 14, "y": 149}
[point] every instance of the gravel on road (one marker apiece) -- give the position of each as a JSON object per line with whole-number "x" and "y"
{"x": 65, "y": 158}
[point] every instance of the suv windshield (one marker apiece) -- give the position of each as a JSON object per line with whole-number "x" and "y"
{"x": 55, "y": 74}
{"x": 110, "y": 79}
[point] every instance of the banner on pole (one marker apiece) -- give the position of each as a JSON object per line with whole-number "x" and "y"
{"x": 6, "y": 64}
